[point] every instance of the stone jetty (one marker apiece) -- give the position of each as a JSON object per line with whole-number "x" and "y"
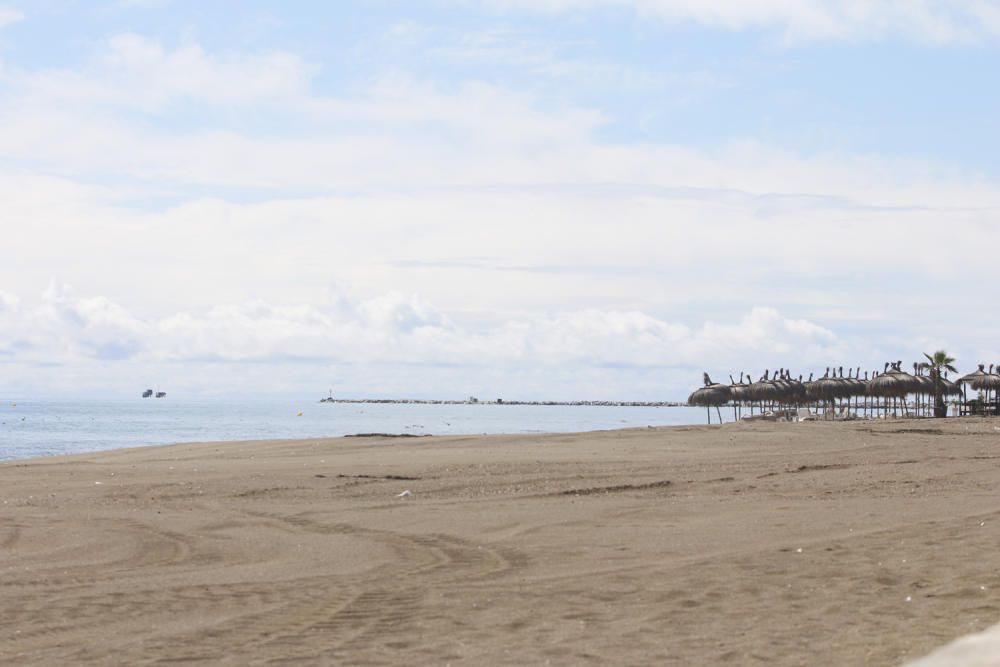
{"x": 499, "y": 401}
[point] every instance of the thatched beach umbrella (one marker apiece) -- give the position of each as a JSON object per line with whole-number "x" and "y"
{"x": 886, "y": 385}
{"x": 911, "y": 383}
{"x": 765, "y": 390}
{"x": 950, "y": 388}
{"x": 854, "y": 387}
{"x": 791, "y": 390}
{"x": 875, "y": 390}
{"x": 739, "y": 393}
{"x": 807, "y": 388}
{"x": 800, "y": 394}
{"x": 712, "y": 394}
{"x": 978, "y": 379}
{"x": 864, "y": 385}
{"x": 827, "y": 389}
{"x": 981, "y": 380}
{"x": 894, "y": 383}
{"x": 844, "y": 388}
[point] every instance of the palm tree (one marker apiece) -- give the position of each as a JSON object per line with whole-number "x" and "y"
{"x": 939, "y": 361}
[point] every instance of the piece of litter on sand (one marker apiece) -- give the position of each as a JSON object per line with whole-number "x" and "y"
{"x": 799, "y": 550}
{"x": 909, "y": 599}
{"x": 404, "y": 494}
{"x": 98, "y": 482}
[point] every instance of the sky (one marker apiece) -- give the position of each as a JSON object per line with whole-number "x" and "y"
{"x": 527, "y": 199}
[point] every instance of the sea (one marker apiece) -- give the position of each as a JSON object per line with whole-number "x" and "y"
{"x": 32, "y": 427}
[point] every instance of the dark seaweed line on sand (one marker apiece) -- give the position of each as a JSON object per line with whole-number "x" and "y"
{"x": 388, "y": 435}
{"x": 620, "y": 488}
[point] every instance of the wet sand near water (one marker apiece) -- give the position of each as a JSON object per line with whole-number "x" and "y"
{"x": 772, "y": 544}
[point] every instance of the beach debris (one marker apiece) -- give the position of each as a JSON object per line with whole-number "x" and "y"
{"x": 404, "y": 494}
{"x": 799, "y": 550}
{"x": 98, "y": 483}
{"x": 909, "y": 598}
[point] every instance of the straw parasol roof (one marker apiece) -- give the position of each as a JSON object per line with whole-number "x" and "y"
{"x": 924, "y": 382}
{"x": 826, "y": 388}
{"x": 853, "y": 385}
{"x": 712, "y": 394}
{"x": 764, "y": 389}
{"x": 950, "y": 388}
{"x": 911, "y": 383}
{"x": 739, "y": 391}
{"x": 893, "y": 383}
{"x": 792, "y": 390}
{"x": 980, "y": 379}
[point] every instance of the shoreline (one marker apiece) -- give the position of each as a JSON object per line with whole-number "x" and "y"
{"x": 862, "y": 542}
{"x": 50, "y": 428}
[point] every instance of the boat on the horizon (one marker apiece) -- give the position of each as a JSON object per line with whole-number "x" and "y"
{"x": 147, "y": 393}
{"x": 161, "y": 394}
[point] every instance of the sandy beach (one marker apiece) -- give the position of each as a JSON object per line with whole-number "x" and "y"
{"x": 772, "y": 544}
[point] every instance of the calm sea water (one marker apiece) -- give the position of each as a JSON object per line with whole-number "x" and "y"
{"x": 42, "y": 428}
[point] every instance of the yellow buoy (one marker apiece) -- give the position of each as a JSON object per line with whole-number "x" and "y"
{"x": 300, "y": 414}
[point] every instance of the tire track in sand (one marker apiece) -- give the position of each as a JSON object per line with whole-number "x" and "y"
{"x": 338, "y": 612}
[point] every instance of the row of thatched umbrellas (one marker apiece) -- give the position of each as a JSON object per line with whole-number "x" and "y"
{"x": 882, "y": 393}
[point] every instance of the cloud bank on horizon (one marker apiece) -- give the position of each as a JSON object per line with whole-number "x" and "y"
{"x": 933, "y": 21}
{"x": 562, "y": 198}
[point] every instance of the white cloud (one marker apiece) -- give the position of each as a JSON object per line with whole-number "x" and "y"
{"x": 9, "y": 16}
{"x": 540, "y": 246}
{"x": 399, "y": 133}
{"x": 135, "y": 72}
{"x": 150, "y": 72}
{"x": 143, "y": 4}
{"x": 8, "y": 302}
{"x": 933, "y": 21}
{"x": 391, "y": 330}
